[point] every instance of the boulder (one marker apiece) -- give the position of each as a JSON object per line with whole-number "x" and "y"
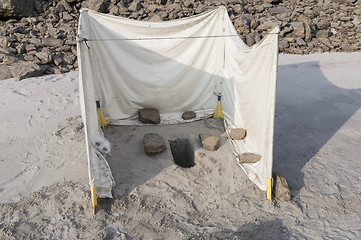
{"x": 323, "y": 34}
{"x": 271, "y": 1}
{"x": 323, "y": 24}
{"x": 64, "y": 6}
{"x": 96, "y": 5}
{"x": 4, "y": 42}
{"x": 5, "y": 72}
{"x": 298, "y": 29}
{"x": 248, "y": 157}
{"x": 57, "y": 60}
{"x": 267, "y": 26}
{"x": 66, "y": 16}
{"x": 153, "y": 144}
{"x": 156, "y": 18}
{"x": 163, "y": 2}
{"x": 259, "y": 8}
{"x": 69, "y": 58}
{"x": 188, "y": 115}
{"x": 307, "y": 32}
{"x": 309, "y": 13}
{"x": 210, "y": 142}
{"x": 113, "y": 9}
{"x": 16, "y": 8}
{"x": 23, "y": 70}
{"x": 238, "y": 133}
{"x": 250, "y": 39}
{"x": 149, "y": 115}
{"x": 242, "y": 24}
{"x": 176, "y": 7}
{"x": 357, "y": 21}
{"x": 283, "y": 45}
{"x": 44, "y": 57}
{"x": 135, "y": 6}
{"x": 237, "y": 8}
{"x": 20, "y": 48}
{"x": 281, "y": 190}
{"x": 30, "y": 47}
{"x": 51, "y": 42}
{"x": 277, "y": 10}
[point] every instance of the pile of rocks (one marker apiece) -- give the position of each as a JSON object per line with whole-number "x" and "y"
{"x": 43, "y": 32}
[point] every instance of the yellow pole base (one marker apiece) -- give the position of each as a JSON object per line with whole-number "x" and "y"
{"x": 218, "y": 112}
{"x": 101, "y": 119}
{"x": 269, "y": 189}
{"x": 94, "y": 198}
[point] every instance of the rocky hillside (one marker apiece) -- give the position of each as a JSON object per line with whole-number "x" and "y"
{"x": 39, "y": 36}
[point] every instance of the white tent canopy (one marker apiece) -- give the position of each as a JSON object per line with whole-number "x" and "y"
{"x": 176, "y": 66}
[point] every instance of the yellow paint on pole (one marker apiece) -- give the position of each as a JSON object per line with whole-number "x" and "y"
{"x": 218, "y": 112}
{"x": 94, "y": 198}
{"x": 101, "y": 119}
{"x": 269, "y": 189}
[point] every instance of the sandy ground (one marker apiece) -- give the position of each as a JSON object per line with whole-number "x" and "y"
{"x": 317, "y": 144}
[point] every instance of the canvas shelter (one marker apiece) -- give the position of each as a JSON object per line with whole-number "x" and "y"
{"x": 176, "y": 66}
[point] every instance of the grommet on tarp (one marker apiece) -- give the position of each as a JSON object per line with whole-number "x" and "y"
{"x": 101, "y": 119}
{"x": 218, "y": 112}
{"x": 86, "y": 42}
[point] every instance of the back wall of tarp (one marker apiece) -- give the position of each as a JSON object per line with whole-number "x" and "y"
{"x": 176, "y": 66}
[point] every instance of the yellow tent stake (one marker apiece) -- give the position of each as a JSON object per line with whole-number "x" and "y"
{"x": 218, "y": 112}
{"x": 94, "y": 198}
{"x": 101, "y": 119}
{"x": 269, "y": 189}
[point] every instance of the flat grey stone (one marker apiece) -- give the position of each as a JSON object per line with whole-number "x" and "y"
{"x": 148, "y": 115}
{"x": 188, "y": 115}
{"x": 153, "y": 144}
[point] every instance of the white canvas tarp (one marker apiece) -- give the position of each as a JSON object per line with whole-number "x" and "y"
{"x": 176, "y": 66}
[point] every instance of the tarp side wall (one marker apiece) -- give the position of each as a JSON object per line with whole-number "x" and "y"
{"x": 99, "y": 171}
{"x": 249, "y": 100}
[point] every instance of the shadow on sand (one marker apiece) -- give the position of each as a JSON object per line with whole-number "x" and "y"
{"x": 309, "y": 111}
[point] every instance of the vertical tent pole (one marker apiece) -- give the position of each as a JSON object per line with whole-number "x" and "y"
{"x": 269, "y": 189}
{"x": 94, "y": 198}
{"x": 101, "y": 119}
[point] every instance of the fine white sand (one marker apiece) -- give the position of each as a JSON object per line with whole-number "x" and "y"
{"x": 317, "y": 144}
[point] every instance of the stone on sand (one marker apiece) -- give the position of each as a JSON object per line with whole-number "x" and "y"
{"x": 149, "y": 115}
{"x": 210, "y": 142}
{"x": 153, "y": 144}
{"x": 281, "y": 190}
{"x": 248, "y": 157}
{"x": 188, "y": 115}
{"x": 238, "y": 133}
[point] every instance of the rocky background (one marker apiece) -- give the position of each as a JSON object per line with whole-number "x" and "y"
{"x": 39, "y": 36}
